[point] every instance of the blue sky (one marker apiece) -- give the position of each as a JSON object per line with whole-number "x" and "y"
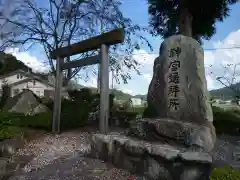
{"x": 228, "y": 35}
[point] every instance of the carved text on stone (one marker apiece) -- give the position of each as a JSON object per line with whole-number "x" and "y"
{"x": 174, "y": 79}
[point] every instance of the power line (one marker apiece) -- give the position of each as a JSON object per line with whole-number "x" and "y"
{"x": 205, "y": 49}
{"x": 213, "y": 49}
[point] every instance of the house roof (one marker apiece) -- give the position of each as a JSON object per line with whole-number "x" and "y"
{"x": 30, "y": 76}
{"x": 29, "y": 79}
{"x": 12, "y": 73}
{"x": 20, "y": 71}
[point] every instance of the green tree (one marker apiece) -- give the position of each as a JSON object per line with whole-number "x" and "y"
{"x": 187, "y": 17}
{"x": 9, "y": 63}
{"x": 5, "y": 95}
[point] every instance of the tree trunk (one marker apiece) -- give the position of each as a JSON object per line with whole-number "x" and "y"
{"x": 185, "y": 21}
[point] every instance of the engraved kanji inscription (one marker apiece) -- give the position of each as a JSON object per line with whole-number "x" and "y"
{"x": 174, "y": 52}
{"x": 174, "y": 65}
{"x": 173, "y": 90}
{"x": 173, "y": 78}
{"x": 173, "y": 103}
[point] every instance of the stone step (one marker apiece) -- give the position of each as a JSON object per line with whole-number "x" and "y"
{"x": 151, "y": 159}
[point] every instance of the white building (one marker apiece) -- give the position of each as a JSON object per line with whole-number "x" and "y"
{"x": 228, "y": 102}
{"x": 136, "y": 101}
{"x": 20, "y": 80}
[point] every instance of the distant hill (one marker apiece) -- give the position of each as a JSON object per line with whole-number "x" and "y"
{"x": 125, "y": 96}
{"x": 120, "y": 95}
{"x": 141, "y": 96}
{"x": 224, "y": 93}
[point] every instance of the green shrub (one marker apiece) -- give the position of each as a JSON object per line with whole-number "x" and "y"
{"x": 38, "y": 121}
{"x": 139, "y": 109}
{"x": 74, "y": 112}
{"x": 150, "y": 112}
{"x": 73, "y": 115}
{"x": 5, "y": 95}
{"x": 226, "y": 173}
{"x": 124, "y": 117}
{"x": 8, "y": 132}
{"x": 226, "y": 121}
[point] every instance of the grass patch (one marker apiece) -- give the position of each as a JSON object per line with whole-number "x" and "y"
{"x": 9, "y": 132}
{"x": 226, "y": 173}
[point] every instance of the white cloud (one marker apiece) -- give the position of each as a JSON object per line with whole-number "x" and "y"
{"x": 92, "y": 82}
{"x": 224, "y": 56}
{"x": 143, "y": 57}
{"x": 138, "y": 84}
{"x": 148, "y": 77}
{"x": 129, "y": 91}
{"x": 29, "y": 60}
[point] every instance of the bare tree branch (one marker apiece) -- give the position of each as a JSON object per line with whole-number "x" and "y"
{"x": 52, "y": 26}
{"x": 230, "y": 78}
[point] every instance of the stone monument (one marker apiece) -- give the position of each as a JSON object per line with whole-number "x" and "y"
{"x": 175, "y": 144}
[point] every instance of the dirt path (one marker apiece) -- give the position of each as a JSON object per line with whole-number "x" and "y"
{"x": 62, "y": 157}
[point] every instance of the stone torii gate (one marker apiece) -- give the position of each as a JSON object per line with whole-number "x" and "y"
{"x": 102, "y": 41}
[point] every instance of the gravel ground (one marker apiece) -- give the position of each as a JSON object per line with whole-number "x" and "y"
{"x": 227, "y": 151}
{"x": 61, "y": 157}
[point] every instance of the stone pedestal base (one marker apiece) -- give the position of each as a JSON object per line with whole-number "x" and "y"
{"x": 184, "y": 134}
{"x": 157, "y": 161}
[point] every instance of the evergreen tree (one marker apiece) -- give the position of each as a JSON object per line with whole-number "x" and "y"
{"x": 9, "y": 63}
{"x": 5, "y": 95}
{"x": 187, "y": 17}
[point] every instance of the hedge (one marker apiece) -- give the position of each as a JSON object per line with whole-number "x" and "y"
{"x": 39, "y": 121}
{"x": 74, "y": 112}
{"x": 226, "y": 173}
{"x": 73, "y": 115}
{"x": 8, "y": 132}
{"x": 69, "y": 120}
{"x": 226, "y": 121}
{"x": 150, "y": 112}
{"x": 139, "y": 109}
